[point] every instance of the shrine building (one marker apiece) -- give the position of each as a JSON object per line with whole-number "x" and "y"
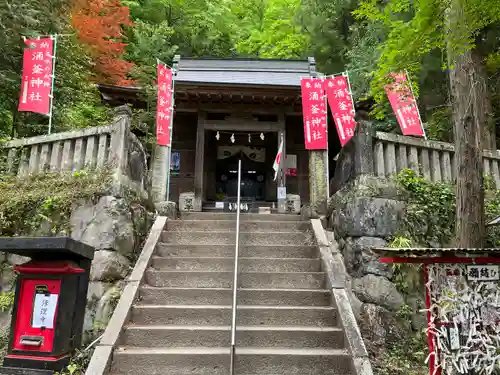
{"x": 231, "y": 109}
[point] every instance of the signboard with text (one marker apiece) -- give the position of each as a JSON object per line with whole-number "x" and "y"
{"x": 342, "y": 106}
{"x": 164, "y": 111}
{"x": 36, "y": 85}
{"x": 404, "y": 105}
{"x": 314, "y": 113}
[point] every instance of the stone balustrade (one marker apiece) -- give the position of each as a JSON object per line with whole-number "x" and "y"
{"x": 113, "y": 146}
{"x": 383, "y": 154}
{"x": 431, "y": 159}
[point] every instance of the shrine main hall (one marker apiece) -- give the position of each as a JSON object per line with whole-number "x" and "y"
{"x": 232, "y": 109}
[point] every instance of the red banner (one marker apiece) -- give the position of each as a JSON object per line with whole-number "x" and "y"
{"x": 36, "y": 86}
{"x": 404, "y": 106}
{"x": 164, "y": 111}
{"x": 342, "y": 106}
{"x": 314, "y": 112}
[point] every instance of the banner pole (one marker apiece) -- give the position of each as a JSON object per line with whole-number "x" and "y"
{"x": 53, "y": 82}
{"x": 416, "y": 105}
{"x": 169, "y": 164}
{"x": 327, "y": 143}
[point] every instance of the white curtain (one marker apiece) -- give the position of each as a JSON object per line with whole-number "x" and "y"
{"x": 257, "y": 154}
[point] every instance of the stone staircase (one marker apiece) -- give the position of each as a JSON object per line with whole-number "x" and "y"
{"x": 286, "y": 323}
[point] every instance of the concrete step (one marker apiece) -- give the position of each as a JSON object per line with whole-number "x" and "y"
{"x": 230, "y": 226}
{"x": 246, "y": 251}
{"x": 246, "y": 238}
{"x": 223, "y": 296}
{"x": 319, "y": 316}
{"x": 159, "y": 336}
{"x": 245, "y": 264}
{"x": 206, "y": 279}
{"x": 215, "y": 361}
{"x": 232, "y": 216}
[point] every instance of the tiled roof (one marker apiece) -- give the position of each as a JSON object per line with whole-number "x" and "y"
{"x": 433, "y": 252}
{"x": 260, "y": 72}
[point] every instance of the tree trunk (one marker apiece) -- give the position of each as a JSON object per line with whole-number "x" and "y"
{"x": 484, "y": 101}
{"x": 469, "y": 122}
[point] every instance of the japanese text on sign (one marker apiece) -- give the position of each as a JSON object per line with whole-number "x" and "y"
{"x": 342, "y": 106}
{"x": 36, "y": 85}
{"x": 483, "y": 272}
{"x": 164, "y": 110}
{"x": 44, "y": 310}
{"x": 404, "y": 105}
{"x": 314, "y": 112}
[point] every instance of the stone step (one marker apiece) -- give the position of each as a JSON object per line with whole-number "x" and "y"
{"x": 215, "y": 361}
{"x": 319, "y": 316}
{"x": 232, "y": 216}
{"x": 206, "y": 279}
{"x": 245, "y": 251}
{"x": 246, "y": 238}
{"x": 245, "y": 264}
{"x": 230, "y": 226}
{"x": 223, "y": 296}
{"x": 159, "y": 336}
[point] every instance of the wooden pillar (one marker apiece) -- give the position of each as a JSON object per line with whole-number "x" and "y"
{"x": 281, "y": 179}
{"x": 199, "y": 162}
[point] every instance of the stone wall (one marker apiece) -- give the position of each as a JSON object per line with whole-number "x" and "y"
{"x": 116, "y": 228}
{"x": 365, "y": 213}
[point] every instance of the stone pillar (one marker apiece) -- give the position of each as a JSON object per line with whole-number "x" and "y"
{"x": 159, "y": 173}
{"x": 199, "y": 163}
{"x": 318, "y": 180}
{"x": 363, "y": 154}
{"x": 281, "y": 179}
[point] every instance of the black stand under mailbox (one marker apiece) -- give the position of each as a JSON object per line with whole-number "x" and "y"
{"x": 49, "y": 303}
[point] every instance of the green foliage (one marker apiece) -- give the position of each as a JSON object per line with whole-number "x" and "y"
{"x": 6, "y": 301}
{"x": 78, "y": 363}
{"x": 406, "y": 357}
{"x": 76, "y": 100}
{"x": 430, "y": 216}
{"x": 44, "y": 202}
{"x": 418, "y": 29}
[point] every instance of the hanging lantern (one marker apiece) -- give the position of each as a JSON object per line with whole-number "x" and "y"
{"x": 217, "y": 136}
{"x": 249, "y": 138}
{"x": 262, "y": 136}
{"x": 232, "y": 138}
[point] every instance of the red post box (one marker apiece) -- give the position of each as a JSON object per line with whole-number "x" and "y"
{"x": 49, "y": 303}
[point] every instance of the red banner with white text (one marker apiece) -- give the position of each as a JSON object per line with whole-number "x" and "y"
{"x": 314, "y": 113}
{"x": 404, "y": 106}
{"x": 164, "y": 111}
{"x": 342, "y": 106}
{"x": 36, "y": 85}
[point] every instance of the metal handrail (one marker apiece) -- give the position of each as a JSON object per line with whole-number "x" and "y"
{"x": 235, "y": 278}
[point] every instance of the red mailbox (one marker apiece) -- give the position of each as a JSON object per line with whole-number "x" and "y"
{"x": 49, "y": 303}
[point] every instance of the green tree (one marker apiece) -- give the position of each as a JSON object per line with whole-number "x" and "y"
{"x": 76, "y": 101}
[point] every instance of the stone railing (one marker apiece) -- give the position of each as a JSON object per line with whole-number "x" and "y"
{"x": 113, "y": 146}
{"x": 386, "y": 154}
{"x": 433, "y": 160}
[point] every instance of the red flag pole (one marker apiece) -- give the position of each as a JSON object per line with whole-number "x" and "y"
{"x": 416, "y": 104}
{"x": 54, "y": 38}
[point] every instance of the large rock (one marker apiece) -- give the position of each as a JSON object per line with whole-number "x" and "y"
{"x": 360, "y": 259}
{"x": 109, "y": 265}
{"x": 102, "y": 298}
{"x": 377, "y": 290}
{"x": 106, "y": 225}
{"x": 363, "y": 216}
{"x": 379, "y": 328}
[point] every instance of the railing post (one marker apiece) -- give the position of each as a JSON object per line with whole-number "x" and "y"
{"x": 235, "y": 278}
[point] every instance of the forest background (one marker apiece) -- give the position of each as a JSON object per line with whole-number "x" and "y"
{"x": 118, "y": 42}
